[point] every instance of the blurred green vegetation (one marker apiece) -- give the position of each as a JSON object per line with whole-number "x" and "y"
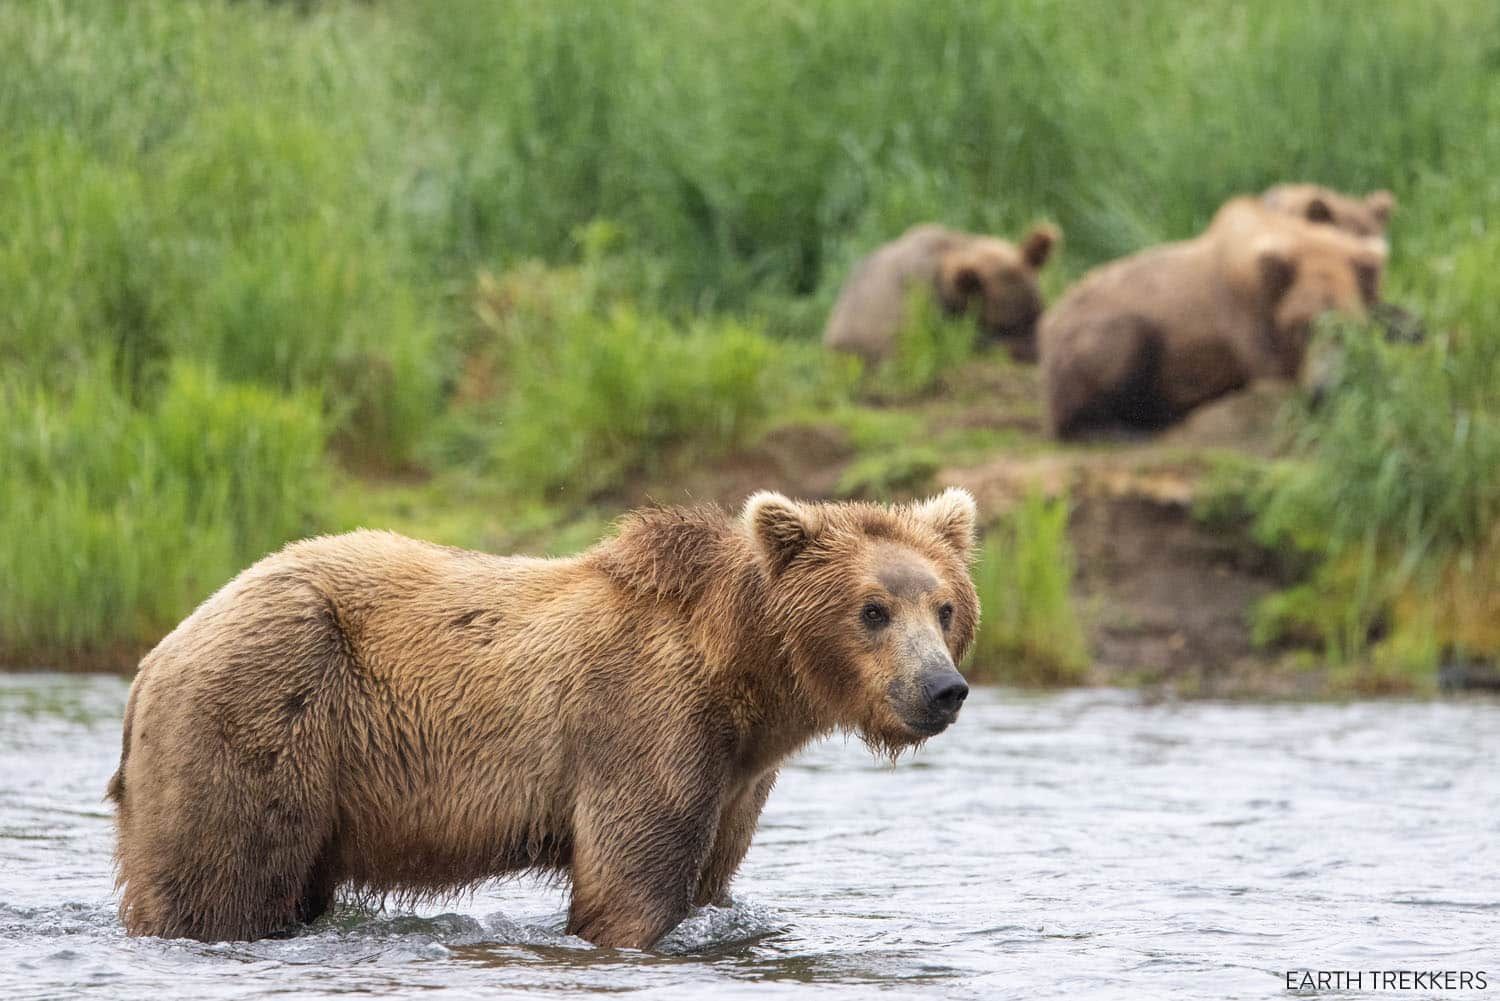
{"x": 114, "y": 520}
{"x": 575, "y": 388}
{"x": 1390, "y": 500}
{"x": 927, "y": 347}
{"x": 269, "y": 269}
{"x": 1030, "y": 632}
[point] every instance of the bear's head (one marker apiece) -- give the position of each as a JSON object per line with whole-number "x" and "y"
{"x": 1307, "y": 272}
{"x": 1364, "y": 217}
{"x": 875, "y": 607}
{"x": 997, "y": 282}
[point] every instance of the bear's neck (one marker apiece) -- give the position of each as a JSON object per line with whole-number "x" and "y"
{"x": 747, "y": 649}
{"x": 702, "y": 569}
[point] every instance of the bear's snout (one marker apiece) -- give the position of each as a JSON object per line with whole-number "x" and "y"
{"x": 944, "y": 692}
{"x": 941, "y": 691}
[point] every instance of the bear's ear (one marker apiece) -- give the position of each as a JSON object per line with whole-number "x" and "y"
{"x": 1382, "y": 204}
{"x": 1277, "y": 270}
{"x": 953, "y": 515}
{"x": 1318, "y": 211}
{"x": 1038, "y": 244}
{"x": 780, "y": 527}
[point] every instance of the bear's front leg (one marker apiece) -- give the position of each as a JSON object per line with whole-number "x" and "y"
{"x": 636, "y": 864}
{"x": 736, "y": 828}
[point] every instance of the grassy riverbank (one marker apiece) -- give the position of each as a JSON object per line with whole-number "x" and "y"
{"x": 492, "y": 273}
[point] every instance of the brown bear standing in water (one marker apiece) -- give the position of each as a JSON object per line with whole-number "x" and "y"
{"x": 1139, "y": 342}
{"x": 992, "y": 277}
{"x": 394, "y": 716}
{"x": 1368, "y": 216}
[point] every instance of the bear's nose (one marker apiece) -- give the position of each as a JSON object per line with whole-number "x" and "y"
{"x": 944, "y": 692}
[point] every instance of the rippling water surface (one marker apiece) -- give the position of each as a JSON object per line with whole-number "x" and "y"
{"x": 1071, "y": 845}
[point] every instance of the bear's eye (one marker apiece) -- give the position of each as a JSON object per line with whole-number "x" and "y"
{"x": 875, "y": 614}
{"x": 945, "y": 615}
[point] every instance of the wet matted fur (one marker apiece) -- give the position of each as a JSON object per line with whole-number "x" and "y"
{"x": 375, "y": 713}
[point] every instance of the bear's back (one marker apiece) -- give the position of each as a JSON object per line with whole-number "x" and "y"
{"x": 1163, "y": 284}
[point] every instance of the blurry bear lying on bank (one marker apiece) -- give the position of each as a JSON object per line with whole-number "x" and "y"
{"x": 1140, "y": 342}
{"x": 990, "y": 277}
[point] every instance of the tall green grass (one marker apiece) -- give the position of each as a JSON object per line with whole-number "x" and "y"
{"x": 1396, "y": 482}
{"x": 114, "y": 520}
{"x": 215, "y": 183}
{"x": 764, "y": 146}
{"x": 928, "y": 346}
{"x": 583, "y": 389}
{"x": 752, "y": 151}
{"x": 1030, "y": 631}
{"x": 603, "y": 398}
{"x": 289, "y": 204}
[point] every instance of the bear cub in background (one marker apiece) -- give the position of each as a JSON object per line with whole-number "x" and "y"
{"x": 991, "y": 278}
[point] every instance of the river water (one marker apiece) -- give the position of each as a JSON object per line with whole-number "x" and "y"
{"x": 1081, "y": 844}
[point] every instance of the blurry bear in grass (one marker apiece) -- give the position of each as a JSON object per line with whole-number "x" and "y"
{"x": 1141, "y": 341}
{"x": 990, "y": 278}
{"x": 373, "y": 712}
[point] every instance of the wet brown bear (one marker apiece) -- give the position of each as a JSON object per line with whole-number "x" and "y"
{"x": 370, "y": 711}
{"x": 1368, "y": 216}
{"x": 1139, "y": 342}
{"x": 994, "y": 278}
